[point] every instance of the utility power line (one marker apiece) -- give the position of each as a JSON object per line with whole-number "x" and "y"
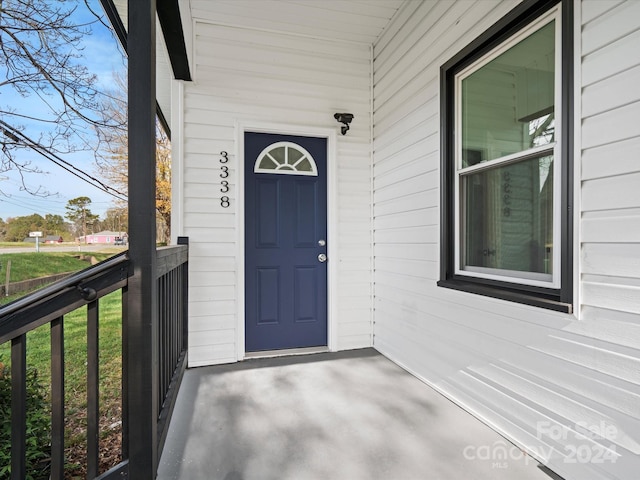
{"x": 18, "y": 205}
{"x": 18, "y": 136}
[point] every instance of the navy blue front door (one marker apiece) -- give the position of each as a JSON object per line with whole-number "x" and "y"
{"x": 285, "y": 241}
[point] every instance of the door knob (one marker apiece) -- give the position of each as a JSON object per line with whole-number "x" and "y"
{"x": 322, "y": 258}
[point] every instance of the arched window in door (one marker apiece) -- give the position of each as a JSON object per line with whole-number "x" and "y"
{"x": 286, "y": 158}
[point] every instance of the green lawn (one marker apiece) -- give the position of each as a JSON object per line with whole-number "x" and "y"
{"x": 75, "y": 336}
{"x": 75, "y": 333}
{"x": 25, "y": 266}
{"x": 38, "y": 264}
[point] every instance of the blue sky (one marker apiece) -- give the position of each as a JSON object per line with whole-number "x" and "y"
{"x": 103, "y": 57}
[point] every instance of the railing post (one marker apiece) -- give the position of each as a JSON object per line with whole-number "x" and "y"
{"x": 142, "y": 322}
{"x": 185, "y": 300}
{"x": 18, "y": 406}
{"x": 57, "y": 398}
{"x": 93, "y": 390}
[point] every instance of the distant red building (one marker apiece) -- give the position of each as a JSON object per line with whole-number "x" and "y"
{"x": 47, "y": 239}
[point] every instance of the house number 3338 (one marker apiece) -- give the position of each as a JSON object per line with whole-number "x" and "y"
{"x": 224, "y": 175}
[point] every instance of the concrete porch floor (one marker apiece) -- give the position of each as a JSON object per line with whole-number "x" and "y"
{"x": 348, "y": 415}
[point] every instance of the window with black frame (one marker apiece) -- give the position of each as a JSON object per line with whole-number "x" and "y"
{"x": 506, "y": 161}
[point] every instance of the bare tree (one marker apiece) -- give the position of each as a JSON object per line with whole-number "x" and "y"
{"x": 112, "y": 152}
{"x": 41, "y": 56}
{"x": 112, "y": 158}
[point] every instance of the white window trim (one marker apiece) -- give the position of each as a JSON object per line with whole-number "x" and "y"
{"x": 513, "y": 276}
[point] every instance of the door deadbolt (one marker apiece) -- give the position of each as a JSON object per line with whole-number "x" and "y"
{"x": 321, "y": 243}
{"x": 322, "y": 258}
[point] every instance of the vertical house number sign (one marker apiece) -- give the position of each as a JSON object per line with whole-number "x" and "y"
{"x": 224, "y": 175}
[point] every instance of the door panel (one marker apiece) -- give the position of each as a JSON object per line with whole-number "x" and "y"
{"x": 306, "y": 221}
{"x": 305, "y": 298}
{"x": 267, "y": 213}
{"x": 268, "y": 292}
{"x": 285, "y": 218}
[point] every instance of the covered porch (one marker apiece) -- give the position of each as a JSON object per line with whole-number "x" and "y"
{"x": 551, "y": 381}
{"x": 344, "y": 415}
{"x": 551, "y": 362}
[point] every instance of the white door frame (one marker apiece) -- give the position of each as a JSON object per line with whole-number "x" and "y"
{"x": 332, "y": 221}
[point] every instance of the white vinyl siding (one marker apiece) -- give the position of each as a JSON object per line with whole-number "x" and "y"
{"x": 250, "y": 75}
{"x": 514, "y": 365}
{"x": 610, "y": 249}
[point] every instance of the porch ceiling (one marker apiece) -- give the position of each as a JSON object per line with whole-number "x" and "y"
{"x": 361, "y": 21}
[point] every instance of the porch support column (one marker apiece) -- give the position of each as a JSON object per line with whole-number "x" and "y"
{"x": 141, "y": 327}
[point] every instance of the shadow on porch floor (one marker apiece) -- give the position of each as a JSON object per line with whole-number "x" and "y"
{"x": 348, "y": 415}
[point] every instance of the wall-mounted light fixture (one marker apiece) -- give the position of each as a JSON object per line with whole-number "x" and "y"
{"x": 344, "y": 118}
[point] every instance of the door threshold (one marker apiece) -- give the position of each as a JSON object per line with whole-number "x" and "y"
{"x": 285, "y": 352}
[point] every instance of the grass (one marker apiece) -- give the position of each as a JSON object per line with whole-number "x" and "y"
{"x": 15, "y": 296}
{"x": 75, "y": 338}
{"x": 25, "y": 266}
{"x": 37, "y": 264}
{"x": 15, "y": 244}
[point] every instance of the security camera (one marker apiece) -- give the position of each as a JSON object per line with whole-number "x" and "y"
{"x": 345, "y": 118}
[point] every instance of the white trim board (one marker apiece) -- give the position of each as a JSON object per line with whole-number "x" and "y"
{"x": 332, "y": 222}
{"x": 177, "y": 160}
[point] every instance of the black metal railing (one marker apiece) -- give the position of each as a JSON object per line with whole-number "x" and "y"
{"x": 173, "y": 274}
{"x": 86, "y": 288}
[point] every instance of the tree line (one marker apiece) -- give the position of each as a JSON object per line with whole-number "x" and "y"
{"x": 78, "y": 221}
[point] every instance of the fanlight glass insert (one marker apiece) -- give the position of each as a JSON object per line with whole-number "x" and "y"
{"x": 286, "y": 158}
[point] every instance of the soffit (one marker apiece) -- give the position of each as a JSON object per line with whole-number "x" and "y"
{"x": 361, "y": 21}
